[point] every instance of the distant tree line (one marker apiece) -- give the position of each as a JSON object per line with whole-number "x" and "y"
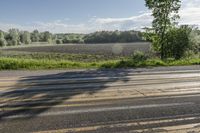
{"x": 113, "y": 37}
{"x": 16, "y": 37}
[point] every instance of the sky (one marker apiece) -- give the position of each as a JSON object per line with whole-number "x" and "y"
{"x": 85, "y": 16}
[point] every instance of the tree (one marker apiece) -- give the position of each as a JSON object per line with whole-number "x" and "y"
{"x": 2, "y": 39}
{"x": 25, "y": 37}
{"x": 113, "y": 37}
{"x": 35, "y": 36}
{"x": 47, "y": 37}
{"x": 13, "y": 37}
{"x": 66, "y": 39}
{"x": 194, "y": 38}
{"x": 165, "y": 13}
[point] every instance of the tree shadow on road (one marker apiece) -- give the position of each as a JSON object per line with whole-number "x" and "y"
{"x": 44, "y": 92}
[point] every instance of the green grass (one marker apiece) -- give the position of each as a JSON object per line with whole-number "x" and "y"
{"x": 12, "y": 63}
{"x": 19, "y": 63}
{"x": 15, "y": 60}
{"x": 150, "y": 63}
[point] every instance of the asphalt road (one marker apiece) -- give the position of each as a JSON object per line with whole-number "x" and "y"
{"x": 102, "y": 101}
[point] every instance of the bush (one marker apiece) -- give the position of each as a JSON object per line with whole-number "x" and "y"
{"x": 139, "y": 56}
{"x": 189, "y": 54}
{"x": 59, "y": 41}
{"x": 177, "y": 42}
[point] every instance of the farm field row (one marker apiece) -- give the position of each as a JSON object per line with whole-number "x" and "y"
{"x": 119, "y": 49}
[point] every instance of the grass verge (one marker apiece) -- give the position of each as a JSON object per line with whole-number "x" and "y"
{"x": 10, "y": 63}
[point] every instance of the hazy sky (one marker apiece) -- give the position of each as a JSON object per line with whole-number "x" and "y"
{"x": 83, "y": 16}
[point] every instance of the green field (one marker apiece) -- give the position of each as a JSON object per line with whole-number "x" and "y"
{"x": 84, "y": 56}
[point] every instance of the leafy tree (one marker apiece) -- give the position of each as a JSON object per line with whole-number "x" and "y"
{"x": 35, "y": 36}
{"x": 47, "y": 37}
{"x": 165, "y": 13}
{"x": 113, "y": 37}
{"x": 194, "y": 38}
{"x": 66, "y": 39}
{"x": 3, "y": 42}
{"x": 25, "y": 37}
{"x": 13, "y": 38}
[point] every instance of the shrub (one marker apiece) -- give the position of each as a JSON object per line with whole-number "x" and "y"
{"x": 139, "y": 56}
{"x": 177, "y": 42}
{"x": 58, "y": 41}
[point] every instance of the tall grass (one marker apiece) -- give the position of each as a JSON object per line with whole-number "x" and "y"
{"x": 10, "y": 63}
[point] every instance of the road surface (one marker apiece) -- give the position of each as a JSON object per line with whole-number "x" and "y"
{"x": 102, "y": 101}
